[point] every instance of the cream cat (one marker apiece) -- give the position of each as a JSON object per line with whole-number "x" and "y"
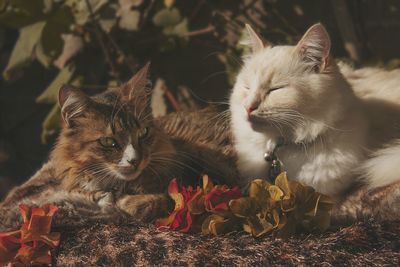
{"x": 298, "y": 93}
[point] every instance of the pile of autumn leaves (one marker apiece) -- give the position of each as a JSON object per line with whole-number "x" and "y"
{"x": 32, "y": 244}
{"x": 279, "y": 209}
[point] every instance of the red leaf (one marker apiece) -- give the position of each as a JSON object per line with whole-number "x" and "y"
{"x": 9, "y": 245}
{"x": 218, "y": 198}
{"x": 180, "y": 218}
{"x": 32, "y": 243}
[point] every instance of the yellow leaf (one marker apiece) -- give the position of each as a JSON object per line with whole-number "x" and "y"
{"x": 207, "y": 184}
{"x": 282, "y": 182}
{"x": 259, "y": 189}
{"x": 275, "y": 193}
{"x": 243, "y": 207}
{"x": 215, "y": 224}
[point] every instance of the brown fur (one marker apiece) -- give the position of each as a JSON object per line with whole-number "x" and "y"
{"x": 180, "y": 145}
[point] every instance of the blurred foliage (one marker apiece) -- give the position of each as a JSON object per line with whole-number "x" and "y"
{"x": 62, "y": 34}
{"x": 94, "y": 44}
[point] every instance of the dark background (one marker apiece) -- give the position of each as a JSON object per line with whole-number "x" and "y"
{"x": 363, "y": 32}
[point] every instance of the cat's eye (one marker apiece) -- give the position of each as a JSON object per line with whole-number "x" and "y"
{"x": 275, "y": 88}
{"x": 247, "y": 87}
{"x": 108, "y": 142}
{"x": 143, "y": 132}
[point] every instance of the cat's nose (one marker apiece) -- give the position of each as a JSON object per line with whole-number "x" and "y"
{"x": 251, "y": 108}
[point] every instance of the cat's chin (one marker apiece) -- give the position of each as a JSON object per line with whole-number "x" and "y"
{"x": 260, "y": 124}
{"x": 128, "y": 174}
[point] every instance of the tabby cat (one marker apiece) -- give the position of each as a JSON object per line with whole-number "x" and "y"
{"x": 113, "y": 156}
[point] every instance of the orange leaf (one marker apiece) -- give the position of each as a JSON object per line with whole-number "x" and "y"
{"x": 32, "y": 243}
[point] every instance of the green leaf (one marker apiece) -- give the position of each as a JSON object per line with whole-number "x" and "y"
{"x": 179, "y": 29}
{"x": 167, "y": 17}
{"x": 169, "y": 3}
{"x": 23, "y": 49}
{"x": 51, "y": 123}
{"x": 41, "y": 56}
{"x": 72, "y": 45}
{"x": 51, "y": 40}
{"x": 129, "y": 20}
{"x": 21, "y": 13}
{"x": 50, "y": 95}
{"x": 107, "y": 24}
{"x": 80, "y": 9}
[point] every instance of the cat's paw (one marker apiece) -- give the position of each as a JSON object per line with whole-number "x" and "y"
{"x": 144, "y": 207}
{"x": 105, "y": 200}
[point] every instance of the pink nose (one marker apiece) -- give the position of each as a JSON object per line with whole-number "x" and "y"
{"x": 251, "y": 108}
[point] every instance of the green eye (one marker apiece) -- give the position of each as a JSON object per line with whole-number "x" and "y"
{"x": 143, "y": 133}
{"x": 108, "y": 142}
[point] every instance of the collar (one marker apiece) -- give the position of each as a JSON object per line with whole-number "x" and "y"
{"x": 272, "y": 159}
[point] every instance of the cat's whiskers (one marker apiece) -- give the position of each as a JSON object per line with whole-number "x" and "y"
{"x": 224, "y": 115}
{"x": 172, "y": 162}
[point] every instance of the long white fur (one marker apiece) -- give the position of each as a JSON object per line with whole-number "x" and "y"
{"x": 383, "y": 87}
{"x": 383, "y": 167}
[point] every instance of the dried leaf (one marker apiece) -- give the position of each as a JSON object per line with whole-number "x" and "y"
{"x": 179, "y": 219}
{"x": 9, "y": 246}
{"x": 207, "y": 184}
{"x": 218, "y": 225}
{"x": 196, "y": 203}
{"x": 275, "y": 192}
{"x": 259, "y": 189}
{"x": 282, "y": 182}
{"x": 31, "y": 244}
{"x": 244, "y": 206}
{"x": 217, "y": 200}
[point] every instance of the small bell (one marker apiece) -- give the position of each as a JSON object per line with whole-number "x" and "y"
{"x": 275, "y": 164}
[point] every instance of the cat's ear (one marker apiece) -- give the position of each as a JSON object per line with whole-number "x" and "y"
{"x": 314, "y": 47}
{"x": 73, "y": 102}
{"x": 255, "y": 42}
{"x": 137, "y": 85}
